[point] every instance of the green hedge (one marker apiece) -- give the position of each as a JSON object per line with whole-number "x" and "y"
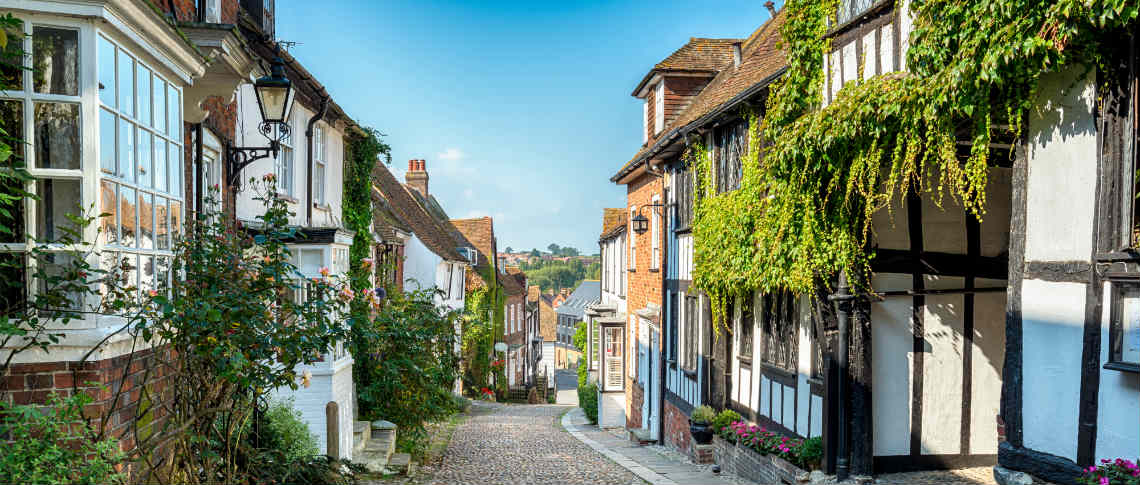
{"x": 588, "y": 401}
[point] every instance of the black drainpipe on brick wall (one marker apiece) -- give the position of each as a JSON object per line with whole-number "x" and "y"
{"x": 309, "y": 143}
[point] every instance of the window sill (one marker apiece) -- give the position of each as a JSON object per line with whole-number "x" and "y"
{"x": 323, "y": 207}
{"x": 1123, "y": 367}
{"x": 777, "y": 370}
{"x": 690, "y": 373}
{"x": 654, "y": 270}
{"x": 287, "y": 198}
{"x": 632, "y": 270}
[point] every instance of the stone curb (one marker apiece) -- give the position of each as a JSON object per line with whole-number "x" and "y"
{"x": 634, "y": 467}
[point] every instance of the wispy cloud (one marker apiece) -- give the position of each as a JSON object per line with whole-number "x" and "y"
{"x": 451, "y": 154}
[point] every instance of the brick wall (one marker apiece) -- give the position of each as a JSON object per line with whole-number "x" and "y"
{"x": 677, "y": 429}
{"x": 32, "y": 383}
{"x": 634, "y": 397}
{"x": 187, "y": 10}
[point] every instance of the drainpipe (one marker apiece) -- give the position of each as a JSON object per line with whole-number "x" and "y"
{"x": 309, "y": 142}
{"x": 198, "y": 182}
{"x": 843, "y": 298}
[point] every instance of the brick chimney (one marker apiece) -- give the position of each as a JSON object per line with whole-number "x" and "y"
{"x": 417, "y": 176}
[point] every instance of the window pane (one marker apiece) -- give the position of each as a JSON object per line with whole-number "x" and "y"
{"x": 126, "y": 84}
{"x": 144, "y": 152}
{"x": 162, "y": 273}
{"x": 173, "y": 113}
{"x": 57, "y": 199}
{"x": 146, "y": 221}
{"x": 175, "y": 220}
{"x": 12, "y": 124}
{"x": 146, "y": 270}
{"x": 107, "y": 124}
{"x": 174, "y": 168}
{"x": 56, "y": 294}
{"x": 14, "y": 222}
{"x": 108, "y": 204}
{"x": 109, "y": 262}
{"x": 130, "y": 268}
{"x": 143, "y": 82}
{"x": 127, "y": 215}
{"x": 311, "y": 261}
{"x": 106, "y": 71}
{"x": 319, "y": 183}
{"x": 126, "y": 150}
{"x": 56, "y": 60}
{"x": 161, "y": 224}
{"x": 11, "y": 75}
{"x": 158, "y": 92}
{"x": 160, "y": 171}
{"x": 13, "y": 282}
{"x": 57, "y": 135}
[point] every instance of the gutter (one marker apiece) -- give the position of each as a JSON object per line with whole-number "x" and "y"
{"x": 673, "y": 134}
{"x": 309, "y": 142}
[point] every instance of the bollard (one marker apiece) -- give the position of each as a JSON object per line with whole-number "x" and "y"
{"x": 332, "y": 430}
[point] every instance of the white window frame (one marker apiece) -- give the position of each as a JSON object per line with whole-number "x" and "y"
{"x": 659, "y": 115}
{"x": 655, "y": 233}
{"x": 645, "y": 122}
{"x": 632, "y": 260}
{"x": 213, "y": 11}
{"x": 285, "y": 163}
{"x": 320, "y": 165}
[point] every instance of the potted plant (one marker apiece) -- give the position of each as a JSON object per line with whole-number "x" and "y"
{"x": 699, "y": 422}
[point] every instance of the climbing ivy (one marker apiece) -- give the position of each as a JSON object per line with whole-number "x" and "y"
{"x": 814, "y": 174}
{"x": 363, "y": 150}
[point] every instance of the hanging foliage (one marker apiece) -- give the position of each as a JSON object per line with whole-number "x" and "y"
{"x": 364, "y": 149}
{"x": 804, "y": 208}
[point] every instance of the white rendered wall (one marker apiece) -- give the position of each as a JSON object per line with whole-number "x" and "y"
{"x": 1053, "y": 316}
{"x": 892, "y": 361}
{"x": 419, "y": 265}
{"x": 1061, "y": 185}
{"x": 611, "y": 409}
{"x": 328, "y": 383}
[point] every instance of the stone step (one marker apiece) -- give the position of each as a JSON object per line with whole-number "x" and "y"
{"x": 361, "y": 434}
{"x": 402, "y": 463}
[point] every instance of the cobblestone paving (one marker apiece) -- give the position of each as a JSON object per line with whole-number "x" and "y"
{"x": 521, "y": 444}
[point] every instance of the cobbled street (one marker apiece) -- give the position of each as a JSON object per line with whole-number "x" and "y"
{"x": 511, "y": 444}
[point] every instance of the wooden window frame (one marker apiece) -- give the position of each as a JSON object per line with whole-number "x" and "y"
{"x": 1120, "y": 285}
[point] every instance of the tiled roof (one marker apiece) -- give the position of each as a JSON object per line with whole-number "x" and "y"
{"x": 547, "y": 320}
{"x": 587, "y": 292}
{"x": 511, "y": 285}
{"x": 698, "y": 55}
{"x": 613, "y": 222}
{"x": 479, "y": 233}
{"x": 409, "y": 210}
{"x": 761, "y": 61}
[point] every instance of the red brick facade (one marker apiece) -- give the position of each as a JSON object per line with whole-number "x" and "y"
{"x": 643, "y": 282}
{"x": 33, "y": 383}
{"x": 677, "y": 429}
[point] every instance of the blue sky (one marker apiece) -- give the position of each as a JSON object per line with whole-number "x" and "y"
{"x": 521, "y": 109}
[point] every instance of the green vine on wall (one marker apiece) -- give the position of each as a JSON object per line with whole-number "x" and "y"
{"x": 804, "y": 209}
{"x": 363, "y": 150}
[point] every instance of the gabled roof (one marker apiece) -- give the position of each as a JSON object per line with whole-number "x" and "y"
{"x": 762, "y": 61}
{"x": 587, "y": 292}
{"x": 479, "y": 233}
{"x": 385, "y": 221}
{"x": 697, "y": 56}
{"x": 409, "y": 210}
{"x": 613, "y": 222}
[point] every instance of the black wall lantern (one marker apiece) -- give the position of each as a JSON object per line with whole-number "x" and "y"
{"x": 275, "y": 99}
{"x": 640, "y": 223}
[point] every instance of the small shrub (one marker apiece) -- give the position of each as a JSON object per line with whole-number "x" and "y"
{"x": 702, "y": 415}
{"x": 588, "y": 401}
{"x": 461, "y": 403}
{"x": 1112, "y": 472}
{"x": 54, "y": 444}
{"x": 721, "y": 424}
{"x": 284, "y": 431}
{"x": 802, "y": 453}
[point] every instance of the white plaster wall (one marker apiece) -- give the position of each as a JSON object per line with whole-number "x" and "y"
{"x": 334, "y": 178}
{"x": 986, "y": 367}
{"x": 889, "y": 226}
{"x": 328, "y": 383}
{"x": 611, "y": 409}
{"x": 246, "y": 134}
{"x": 1052, "y": 332}
{"x": 1062, "y": 169}
{"x": 1118, "y": 409}
{"x": 942, "y": 367}
{"x": 547, "y": 363}
{"x": 943, "y": 228}
{"x": 803, "y": 396}
{"x": 892, "y": 358}
{"x": 994, "y": 225}
{"x": 419, "y": 265}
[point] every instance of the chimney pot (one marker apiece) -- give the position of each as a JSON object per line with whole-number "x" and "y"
{"x": 412, "y": 165}
{"x": 417, "y": 177}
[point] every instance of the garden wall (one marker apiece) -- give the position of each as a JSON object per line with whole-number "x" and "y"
{"x": 746, "y": 463}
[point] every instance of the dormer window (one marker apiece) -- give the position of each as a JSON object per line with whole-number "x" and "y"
{"x": 645, "y": 122}
{"x": 660, "y": 108}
